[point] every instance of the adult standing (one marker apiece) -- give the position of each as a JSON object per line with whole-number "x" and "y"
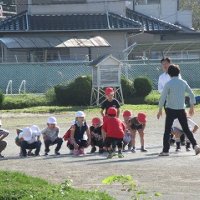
{"x": 174, "y": 95}
{"x": 164, "y": 77}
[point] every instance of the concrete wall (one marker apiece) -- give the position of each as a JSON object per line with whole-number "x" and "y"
{"x": 116, "y": 39}
{"x": 116, "y": 7}
{"x": 167, "y": 11}
{"x": 22, "y": 5}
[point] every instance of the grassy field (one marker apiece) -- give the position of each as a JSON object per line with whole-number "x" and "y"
{"x": 14, "y": 186}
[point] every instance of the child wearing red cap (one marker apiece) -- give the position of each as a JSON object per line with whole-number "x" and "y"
{"x": 109, "y": 102}
{"x": 138, "y": 124}
{"x": 127, "y": 115}
{"x": 113, "y": 129}
{"x": 96, "y": 135}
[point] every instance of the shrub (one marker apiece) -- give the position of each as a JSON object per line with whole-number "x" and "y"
{"x": 51, "y": 96}
{"x": 142, "y": 86}
{"x": 1, "y": 98}
{"x": 127, "y": 88}
{"x": 75, "y": 93}
{"x": 152, "y": 98}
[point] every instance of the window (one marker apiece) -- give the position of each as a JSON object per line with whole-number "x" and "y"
{"x": 38, "y": 2}
{"x": 147, "y": 2}
{"x": 153, "y": 1}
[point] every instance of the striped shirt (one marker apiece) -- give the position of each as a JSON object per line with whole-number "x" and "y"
{"x": 174, "y": 94}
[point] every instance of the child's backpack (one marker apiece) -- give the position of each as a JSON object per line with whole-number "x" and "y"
{"x": 197, "y": 99}
{"x": 67, "y": 135}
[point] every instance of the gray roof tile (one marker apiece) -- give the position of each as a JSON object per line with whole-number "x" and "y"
{"x": 151, "y": 24}
{"x": 71, "y": 22}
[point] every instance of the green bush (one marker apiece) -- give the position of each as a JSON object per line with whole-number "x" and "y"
{"x": 135, "y": 100}
{"x": 75, "y": 93}
{"x": 142, "y": 86}
{"x": 127, "y": 88}
{"x": 152, "y": 98}
{"x": 51, "y": 96}
{"x": 1, "y": 99}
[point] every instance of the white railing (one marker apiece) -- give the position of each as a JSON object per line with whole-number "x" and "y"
{"x": 22, "y": 87}
{"x": 9, "y": 86}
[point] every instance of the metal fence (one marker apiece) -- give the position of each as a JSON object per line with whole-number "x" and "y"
{"x": 39, "y": 77}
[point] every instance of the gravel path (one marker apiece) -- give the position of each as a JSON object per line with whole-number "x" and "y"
{"x": 177, "y": 177}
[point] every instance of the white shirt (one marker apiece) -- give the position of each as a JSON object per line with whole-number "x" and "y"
{"x": 191, "y": 124}
{"x": 32, "y": 140}
{"x": 163, "y": 79}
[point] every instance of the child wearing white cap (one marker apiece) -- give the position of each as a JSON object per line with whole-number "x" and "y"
{"x": 29, "y": 139}
{"x": 3, "y": 144}
{"x": 50, "y": 136}
{"x": 78, "y": 130}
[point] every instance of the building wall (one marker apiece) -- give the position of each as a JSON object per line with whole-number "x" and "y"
{"x": 22, "y": 5}
{"x": 167, "y": 10}
{"x": 116, "y": 39}
{"x": 101, "y": 7}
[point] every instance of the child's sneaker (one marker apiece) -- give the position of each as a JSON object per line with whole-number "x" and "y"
{"x": 1, "y": 156}
{"x": 120, "y": 155}
{"x": 188, "y": 146}
{"x": 178, "y": 149}
{"x": 110, "y": 155}
{"x": 76, "y": 152}
{"x": 197, "y": 149}
{"x": 81, "y": 152}
{"x": 164, "y": 154}
{"x": 143, "y": 149}
{"x": 129, "y": 148}
{"x": 133, "y": 150}
{"x": 30, "y": 153}
{"x": 71, "y": 152}
{"x": 188, "y": 149}
{"x": 93, "y": 150}
{"x": 57, "y": 153}
{"x": 101, "y": 151}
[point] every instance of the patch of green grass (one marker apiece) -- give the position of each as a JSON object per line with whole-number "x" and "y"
{"x": 23, "y": 101}
{"x": 88, "y": 109}
{"x": 30, "y": 103}
{"x": 15, "y": 186}
{"x": 197, "y": 92}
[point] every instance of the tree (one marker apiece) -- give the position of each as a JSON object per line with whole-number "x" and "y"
{"x": 194, "y": 5}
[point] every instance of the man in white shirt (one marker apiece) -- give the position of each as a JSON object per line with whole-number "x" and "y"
{"x": 164, "y": 77}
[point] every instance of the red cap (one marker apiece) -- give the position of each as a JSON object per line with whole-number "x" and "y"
{"x": 109, "y": 90}
{"x": 112, "y": 111}
{"x": 127, "y": 113}
{"x": 141, "y": 117}
{"x": 96, "y": 120}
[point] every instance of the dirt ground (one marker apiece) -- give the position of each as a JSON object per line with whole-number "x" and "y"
{"x": 177, "y": 177}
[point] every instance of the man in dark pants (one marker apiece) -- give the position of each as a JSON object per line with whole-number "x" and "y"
{"x": 163, "y": 79}
{"x": 174, "y": 95}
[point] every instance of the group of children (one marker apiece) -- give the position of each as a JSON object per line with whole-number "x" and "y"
{"x": 106, "y": 133}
